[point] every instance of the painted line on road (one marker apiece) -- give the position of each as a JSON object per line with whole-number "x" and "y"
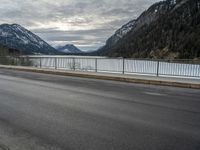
{"x": 154, "y": 94}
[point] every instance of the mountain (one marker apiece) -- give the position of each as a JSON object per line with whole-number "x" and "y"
{"x": 16, "y": 36}
{"x": 168, "y": 29}
{"x": 69, "y": 48}
{"x": 120, "y": 33}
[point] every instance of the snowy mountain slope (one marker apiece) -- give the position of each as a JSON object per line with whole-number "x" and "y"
{"x": 168, "y": 29}
{"x": 146, "y": 17}
{"x": 16, "y": 36}
{"x": 120, "y": 33}
{"x": 69, "y": 48}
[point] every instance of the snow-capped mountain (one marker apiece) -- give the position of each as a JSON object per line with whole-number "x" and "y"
{"x": 167, "y": 29}
{"x": 120, "y": 33}
{"x": 16, "y": 36}
{"x": 146, "y": 17}
{"x": 69, "y": 48}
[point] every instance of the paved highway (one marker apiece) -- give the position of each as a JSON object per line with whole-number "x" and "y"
{"x": 47, "y": 112}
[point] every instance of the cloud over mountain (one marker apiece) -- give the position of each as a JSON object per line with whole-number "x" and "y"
{"x": 86, "y": 24}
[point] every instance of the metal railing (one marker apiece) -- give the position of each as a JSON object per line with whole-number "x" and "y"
{"x": 13, "y": 60}
{"x": 178, "y": 68}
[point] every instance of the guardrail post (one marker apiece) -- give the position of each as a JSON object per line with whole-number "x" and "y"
{"x": 40, "y": 62}
{"x": 20, "y": 61}
{"x": 96, "y": 69}
{"x": 158, "y": 65}
{"x": 55, "y": 62}
{"x": 15, "y": 60}
{"x": 74, "y": 64}
{"x": 123, "y": 67}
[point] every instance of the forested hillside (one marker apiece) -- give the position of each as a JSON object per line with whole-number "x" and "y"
{"x": 173, "y": 33}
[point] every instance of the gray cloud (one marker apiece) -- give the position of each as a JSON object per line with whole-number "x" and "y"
{"x": 86, "y": 24}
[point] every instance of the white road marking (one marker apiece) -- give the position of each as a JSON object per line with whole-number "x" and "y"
{"x": 154, "y": 94}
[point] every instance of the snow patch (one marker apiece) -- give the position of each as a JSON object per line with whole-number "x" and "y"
{"x": 66, "y": 50}
{"x": 5, "y": 34}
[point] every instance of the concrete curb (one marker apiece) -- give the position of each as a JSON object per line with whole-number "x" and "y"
{"x": 106, "y": 77}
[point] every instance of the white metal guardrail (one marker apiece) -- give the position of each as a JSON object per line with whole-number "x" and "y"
{"x": 178, "y": 68}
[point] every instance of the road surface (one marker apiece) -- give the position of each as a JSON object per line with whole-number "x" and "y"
{"x": 47, "y": 112}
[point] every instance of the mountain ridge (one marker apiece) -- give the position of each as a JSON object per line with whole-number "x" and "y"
{"x": 69, "y": 48}
{"x": 168, "y": 29}
{"x": 18, "y": 37}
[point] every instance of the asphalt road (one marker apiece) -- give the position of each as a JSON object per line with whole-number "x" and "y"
{"x": 40, "y": 112}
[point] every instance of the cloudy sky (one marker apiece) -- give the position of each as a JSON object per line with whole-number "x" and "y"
{"x": 84, "y": 23}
